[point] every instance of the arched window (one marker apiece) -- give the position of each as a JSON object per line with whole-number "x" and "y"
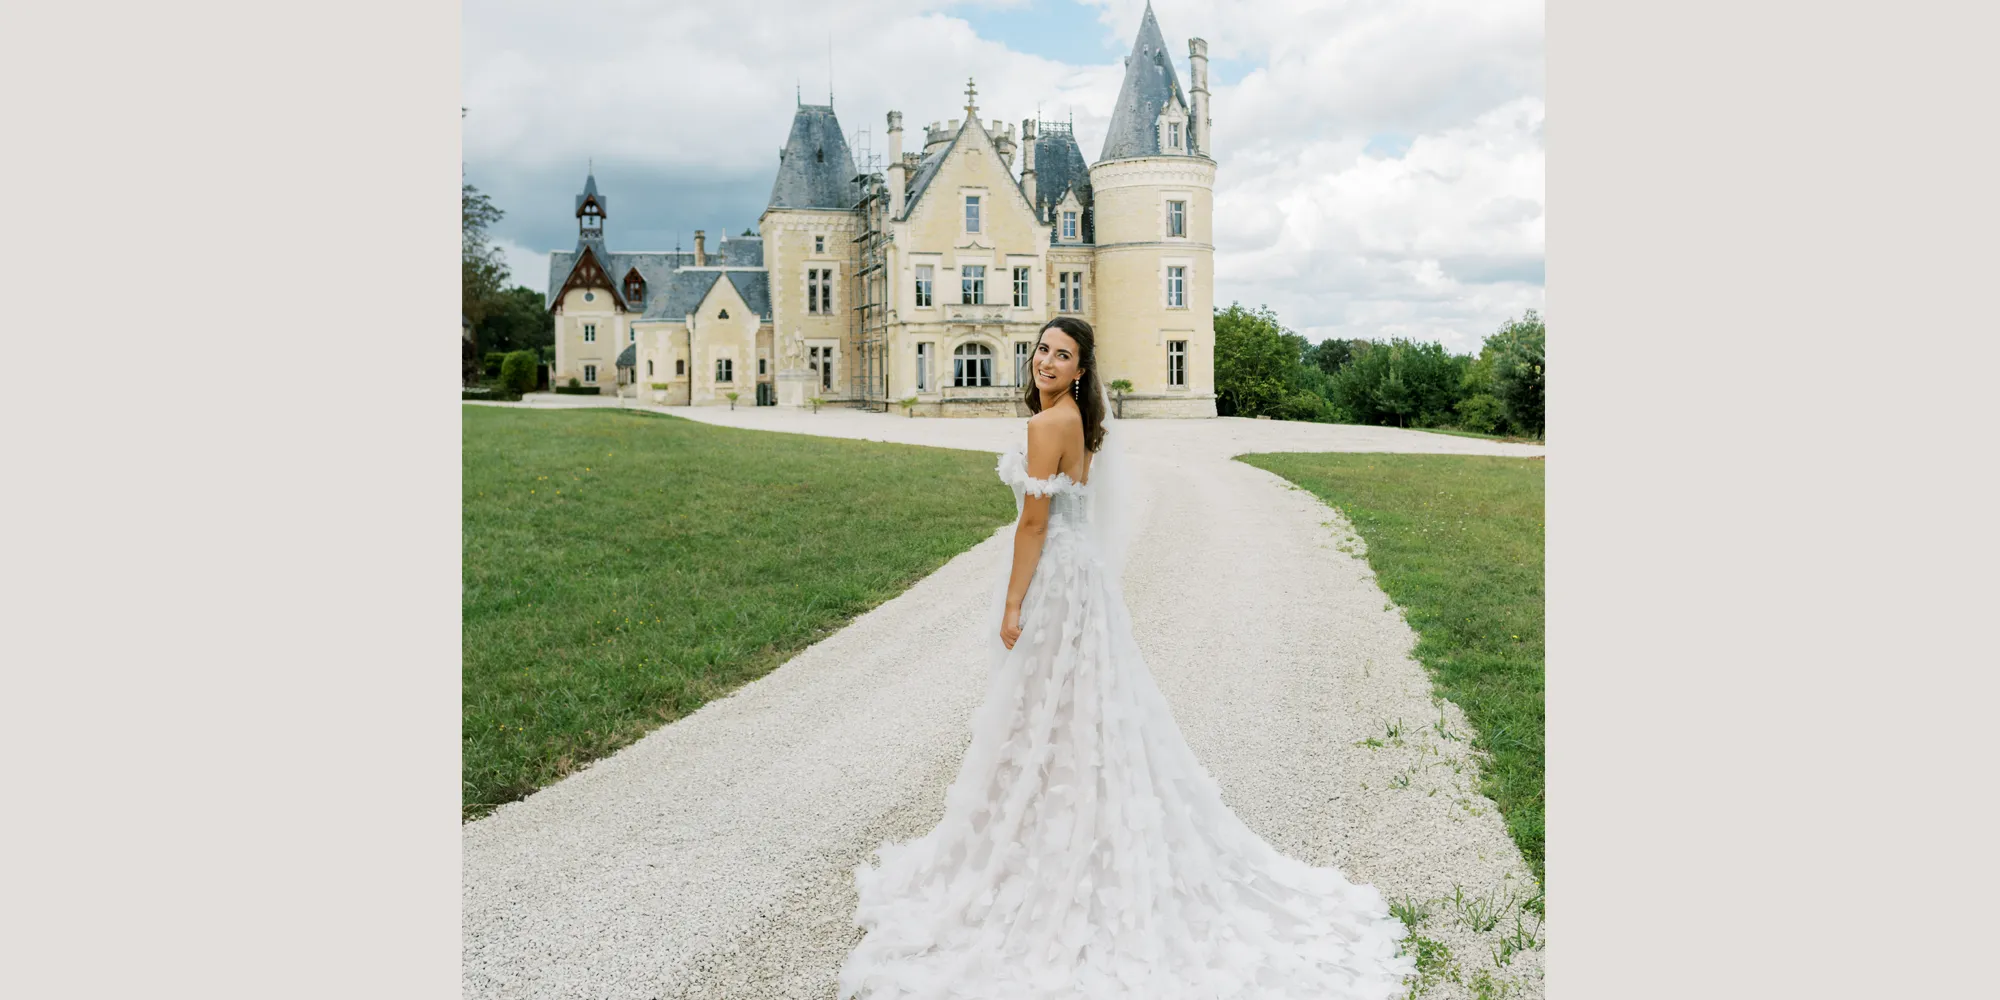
{"x": 972, "y": 364}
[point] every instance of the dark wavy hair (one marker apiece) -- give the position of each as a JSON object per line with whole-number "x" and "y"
{"x": 1089, "y": 400}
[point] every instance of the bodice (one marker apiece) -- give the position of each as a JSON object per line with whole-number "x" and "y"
{"x": 1069, "y": 500}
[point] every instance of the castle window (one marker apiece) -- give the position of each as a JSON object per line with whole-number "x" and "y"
{"x": 1021, "y": 349}
{"x": 819, "y": 244}
{"x": 1176, "y": 218}
{"x": 1021, "y": 288}
{"x": 1177, "y": 362}
{"x": 680, "y": 367}
{"x": 819, "y": 358}
{"x": 924, "y": 286}
{"x": 1069, "y": 226}
{"x": 725, "y": 370}
{"x": 972, "y": 213}
{"x": 724, "y": 314}
{"x": 649, "y": 367}
{"x": 819, "y": 290}
{"x": 1070, "y": 291}
{"x": 632, "y": 335}
{"x": 761, "y": 368}
{"x": 972, "y": 364}
{"x": 1177, "y": 287}
{"x": 1173, "y": 135}
{"x": 972, "y": 285}
{"x": 589, "y": 374}
{"x": 590, "y": 333}
{"x": 924, "y": 367}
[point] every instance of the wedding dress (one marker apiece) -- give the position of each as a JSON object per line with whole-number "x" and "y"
{"x": 1084, "y": 851}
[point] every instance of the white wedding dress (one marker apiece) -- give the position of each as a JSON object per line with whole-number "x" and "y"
{"x": 1084, "y": 852}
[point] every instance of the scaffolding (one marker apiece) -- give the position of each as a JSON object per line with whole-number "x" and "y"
{"x": 868, "y": 319}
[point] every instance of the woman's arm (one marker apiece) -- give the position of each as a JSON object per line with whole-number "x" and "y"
{"x": 1044, "y": 459}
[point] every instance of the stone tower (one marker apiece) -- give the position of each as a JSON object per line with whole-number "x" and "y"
{"x": 1152, "y": 190}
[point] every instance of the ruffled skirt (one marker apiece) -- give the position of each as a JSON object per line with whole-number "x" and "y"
{"x": 1084, "y": 852}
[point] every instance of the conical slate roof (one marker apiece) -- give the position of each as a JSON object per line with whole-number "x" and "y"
{"x": 815, "y": 170}
{"x": 1059, "y": 169}
{"x": 1149, "y": 83}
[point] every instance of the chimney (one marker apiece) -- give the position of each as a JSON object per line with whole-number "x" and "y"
{"x": 1028, "y": 161}
{"x": 700, "y": 251}
{"x": 897, "y": 180}
{"x": 1198, "y": 91}
{"x": 1003, "y": 144}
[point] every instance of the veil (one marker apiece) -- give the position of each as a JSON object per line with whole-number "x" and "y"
{"x": 1118, "y": 506}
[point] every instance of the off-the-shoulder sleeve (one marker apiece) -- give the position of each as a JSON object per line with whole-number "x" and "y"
{"x": 1013, "y": 470}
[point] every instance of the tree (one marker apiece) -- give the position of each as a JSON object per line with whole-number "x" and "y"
{"x": 1404, "y": 382}
{"x": 482, "y": 269}
{"x": 1255, "y": 357}
{"x": 516, "y": 321}
{"x": 517, "y": 371}
{"x": 1520, "y": 371}
{"x": 1331, "y": 354}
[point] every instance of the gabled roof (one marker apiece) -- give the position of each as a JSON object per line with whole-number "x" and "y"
{"x": 927, "y": 168}
{"x": 685, "y": 290}
{"x": 815, "y": 170}
{"x": 1149, "y": 84}
{"x": 653, "y": 267}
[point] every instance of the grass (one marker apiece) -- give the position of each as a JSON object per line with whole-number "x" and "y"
{"x": 1456, "y": 540}
{"x": 623, "y": 568}
{"x": 1455, "y": 432}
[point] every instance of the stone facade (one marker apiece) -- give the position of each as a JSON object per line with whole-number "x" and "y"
{"x": 931, "y": 278}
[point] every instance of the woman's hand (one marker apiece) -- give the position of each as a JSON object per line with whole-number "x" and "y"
{"x": 1010, "y": 627}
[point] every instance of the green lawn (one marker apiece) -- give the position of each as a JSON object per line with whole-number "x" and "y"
{"x": 1456, "y": 540}
{"x": 621, "y": 569}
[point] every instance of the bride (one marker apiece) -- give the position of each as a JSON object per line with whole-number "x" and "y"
{"x": 1084, "y": 852}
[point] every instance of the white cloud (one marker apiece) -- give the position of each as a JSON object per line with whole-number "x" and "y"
{"x": 1442, "y": 242}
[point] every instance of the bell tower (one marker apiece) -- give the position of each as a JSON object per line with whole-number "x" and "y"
{"x": 590, "y": 212}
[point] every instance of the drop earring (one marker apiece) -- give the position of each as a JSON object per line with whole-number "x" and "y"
{"x": 1076, "y": 389}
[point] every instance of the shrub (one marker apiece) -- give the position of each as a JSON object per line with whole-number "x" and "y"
{"x": 578, "y": 390}
{"x": 573, "y": 383}
{"x": 1481, "y": 413}
{"x": 909, "y": 406}
{"x": 517, "y": 371}
{"x": 499, "y": 395}
{"x": 661, "y": 385}
{"x": 492, "y": 363}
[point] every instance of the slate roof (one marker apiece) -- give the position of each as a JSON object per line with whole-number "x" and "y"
{"x": 1059, "y": 169}
{"x": 755, "y": 287}
{"x": 655, "y": 268}
{"x": 685, "y": 290}
{"x": 815, "y": 170}
{"x": 629, "y": 357}
{"x": 742, "y": 251}
{"x": 1149, "y": 82}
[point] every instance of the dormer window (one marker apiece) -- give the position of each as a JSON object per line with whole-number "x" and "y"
{"x": 1173, "y": 135}
{"x": 1069, "y": 225}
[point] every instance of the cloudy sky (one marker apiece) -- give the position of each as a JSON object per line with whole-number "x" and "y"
{"x": 1380, "y": 161}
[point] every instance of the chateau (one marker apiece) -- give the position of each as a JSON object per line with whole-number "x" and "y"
{"x": 930, "y": 278}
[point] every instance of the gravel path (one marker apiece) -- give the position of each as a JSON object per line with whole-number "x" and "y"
{"x": 713, "y": 858}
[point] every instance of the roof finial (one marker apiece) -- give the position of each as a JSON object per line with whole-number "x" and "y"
{"x": 971, "y": 109}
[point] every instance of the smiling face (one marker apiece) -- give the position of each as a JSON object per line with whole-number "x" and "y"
{"x": 1056, "y": 360}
